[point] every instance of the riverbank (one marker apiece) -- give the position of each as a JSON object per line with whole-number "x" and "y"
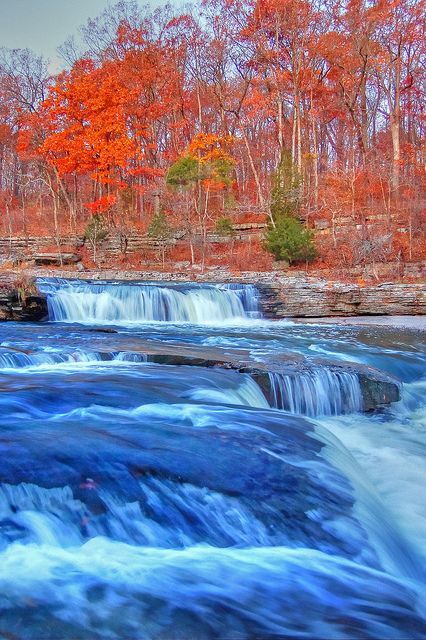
{"x": 281, "y": 295}
{"x": 415, "y": 323}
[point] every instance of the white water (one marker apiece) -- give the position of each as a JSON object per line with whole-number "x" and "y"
{"x": 317, "y": 392}
{"x": 89, "y": 303}
{"x": 19, "y": 359}
{"x": 390, "y": 456}
{"x": 53, "y": 517}
{"x": 176, "y": 538}
{"x": 125, "y": 591}
{"x": 248, "y": 393}
{"x": 49, "y": 358}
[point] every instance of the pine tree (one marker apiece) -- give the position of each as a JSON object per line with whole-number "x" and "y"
{"x": 287, "y": 238}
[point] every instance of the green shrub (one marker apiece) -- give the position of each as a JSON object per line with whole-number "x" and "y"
{"x": 290, "y": 240}
{"x": 224, "y": 226}
{"x": 184, "y": 172}
{"x": 287, "y": 238}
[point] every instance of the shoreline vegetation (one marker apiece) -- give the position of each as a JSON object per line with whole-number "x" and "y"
{"x": 235, "y": 133}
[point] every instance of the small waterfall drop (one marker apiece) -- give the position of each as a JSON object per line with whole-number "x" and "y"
{"x": 395, "y": 550}
{"x": 95, "y": 303}
{"x": 12, "y": 359}
{"x": 248, "y": 394}
{"x": 320, "y": 392}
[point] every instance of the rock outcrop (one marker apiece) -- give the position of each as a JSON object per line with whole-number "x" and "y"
{"x": 56, "y": 259}
{"x": 31, "y": 308}
{"x": 305, "y": 298}
{"x": 377, "y": 388}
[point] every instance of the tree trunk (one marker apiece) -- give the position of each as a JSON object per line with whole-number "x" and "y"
{"x": 254, "y": 170}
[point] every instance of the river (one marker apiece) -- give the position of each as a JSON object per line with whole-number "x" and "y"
{"x": 144, "y": 499}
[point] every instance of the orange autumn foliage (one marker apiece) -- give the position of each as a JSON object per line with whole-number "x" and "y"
{"x": 236, "y": 86}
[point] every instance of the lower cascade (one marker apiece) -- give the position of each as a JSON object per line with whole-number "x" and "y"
{"x": 94, "y": 303}
{"x": 15, "y": 359}
{"x": 320, "y": 392}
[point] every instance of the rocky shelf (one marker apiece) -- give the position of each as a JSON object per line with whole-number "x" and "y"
{"x": 304, "y": 298}
{"x": 280, "y": 296}
{"x": 377, "y": 388}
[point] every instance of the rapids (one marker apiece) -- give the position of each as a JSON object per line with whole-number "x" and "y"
{"x": 145, "y": 500}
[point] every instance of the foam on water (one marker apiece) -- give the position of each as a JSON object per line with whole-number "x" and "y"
{"x": 390, "y": 455}
{"x": 318, "y": 392}
{"x": 46, "y": 357}
{"x": 106, "y": 587}
{"x": 89, "y": 303}
{"x": 248, "y": 393}
{"x": 163, "y": 517}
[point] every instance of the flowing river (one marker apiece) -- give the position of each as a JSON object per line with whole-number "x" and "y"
{"x": 144, "y": 497}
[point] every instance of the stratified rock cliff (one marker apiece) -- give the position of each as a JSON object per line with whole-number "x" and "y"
{"x": 298, "y": 298}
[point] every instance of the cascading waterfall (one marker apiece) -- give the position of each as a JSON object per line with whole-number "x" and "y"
{"x": 14, "y": 359}
{"x": 168, "y": 500}
{"x": 248, "y": 295}
{"x": 20, "y": 359}
{"x": 248, "y": 393}
{"x": 71, "y": 301}
{"x": 397, "y": 554}
{"x": 320, "y": 392}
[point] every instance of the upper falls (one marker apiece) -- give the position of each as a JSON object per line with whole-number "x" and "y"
{"x": 94, "y": 303}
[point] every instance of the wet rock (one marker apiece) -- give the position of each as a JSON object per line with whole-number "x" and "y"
{"x": 102, "y": 330}
{"x": 30, "y": 308}
{"x": 377, "y": 392}
{"x": 377, "y": 387}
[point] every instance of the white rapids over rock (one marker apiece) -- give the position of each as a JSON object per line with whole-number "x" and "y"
{"x": 320, "y": 392}
{"x": 116, "y": 303}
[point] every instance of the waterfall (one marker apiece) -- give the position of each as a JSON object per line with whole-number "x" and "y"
{"x": 315, "y": 393}
{"x": 248, "y": 394}
{"x": 129, "y": 356}
{"x": 86, "y": 302}
{"x": 12, "y": 359}
{"x": 19, "y": 359}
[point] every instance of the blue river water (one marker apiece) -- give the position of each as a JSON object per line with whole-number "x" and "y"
{"x": 141, "y": 500}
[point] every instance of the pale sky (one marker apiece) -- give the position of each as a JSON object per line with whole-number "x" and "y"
{"x": 42, "y": 25}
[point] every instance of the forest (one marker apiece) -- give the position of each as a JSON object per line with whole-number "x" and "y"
{"x": 299, "y": 117}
